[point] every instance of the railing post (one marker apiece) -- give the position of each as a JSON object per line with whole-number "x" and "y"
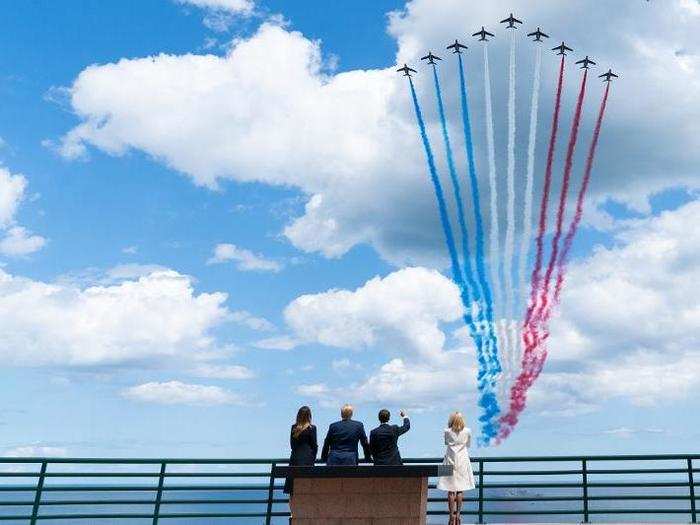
{"x": 481, "y": 491}
{"x": 159, "y": 493}
{"x": 584, "y": 473}
{"x": 270, "y": 494}
{"x": 691, "y": 484}
{"x": 37, "y": 494}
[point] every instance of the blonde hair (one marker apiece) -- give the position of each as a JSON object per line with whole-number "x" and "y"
{"x": 456, "y": 422}
{"x": 346, "y": 411}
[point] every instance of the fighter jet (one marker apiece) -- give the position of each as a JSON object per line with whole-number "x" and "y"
{"x": 511, "y": 21}
{"x": 482, "y": 34}
{"x": 563, "y": 48}
{"x": 538, "y": 35}
{"x": 431, "y": 58}
{"x": 585, "y": 62}
{"x": 608, "y": 76}
{"x": 456, "y": 47}
{"x": 406, "y": 70}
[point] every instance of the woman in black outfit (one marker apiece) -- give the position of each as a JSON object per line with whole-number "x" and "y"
{"x": 304, "y": 445}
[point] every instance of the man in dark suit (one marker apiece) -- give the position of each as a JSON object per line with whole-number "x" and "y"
{"x": 384, "y": 440}
{"x": 340, "y": 445}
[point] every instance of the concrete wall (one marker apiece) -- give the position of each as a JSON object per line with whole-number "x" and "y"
{"x": 360, "y": 501}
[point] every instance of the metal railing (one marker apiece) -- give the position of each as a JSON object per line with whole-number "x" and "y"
{"x": 102, "y": 490}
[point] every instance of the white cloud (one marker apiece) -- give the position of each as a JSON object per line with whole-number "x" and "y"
{"x": 312, "y": 390}
{"x": 246, "y": 261}
{"x": 234, "y": 6}
{"x": 12, "y": 188}
{"x": 627, "y": 328}
{"x": 348, "y": 140}
{"x": 277, "y": 343}
{"x": 37, "y": 451}
{"x": 254, "y": 323}
{"x": 340, "y": 365}
{"x": 401, "y": 311}
{"x": 155, "y": 316}
{"x": 178, "y": 393}
{"x": 220, "y": 14}
{"x": 130, "y": 250}
{"x": 19, "y": 241}
{"x": 223, "y": 371}
{"x": 626, "y": 432}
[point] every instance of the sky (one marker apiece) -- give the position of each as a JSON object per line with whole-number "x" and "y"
{"x": 215, "y": 211}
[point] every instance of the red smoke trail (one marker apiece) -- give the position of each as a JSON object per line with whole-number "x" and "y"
{"x": 535, "y": 352}
{"x": 573, "y": 227}
{"x": 542, "y": 225}
{"x": 544, "y": 312}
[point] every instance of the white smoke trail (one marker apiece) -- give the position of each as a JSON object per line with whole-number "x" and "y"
{"x": 529, "y": 184}
{"x": 509, "y": 246}
{"x": 494, "y": 231}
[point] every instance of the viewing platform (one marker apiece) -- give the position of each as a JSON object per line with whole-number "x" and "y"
{"x": 126, "y": 491}
{"x": 362, "y": 495}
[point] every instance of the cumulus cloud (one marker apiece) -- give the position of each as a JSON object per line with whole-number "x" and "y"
{"x": 246, "y": 261}
{"x": 627, "y": 328}
{"x": 38, "y": 451}
{"x": 16, "y": 240}
{"x": 403, "y": 310}
{"x": 148, "y": 318}
{"x": 12, "y": 188}
{"x": 178, "y": 393}
{"x": 254, "y": 323}
{"x": 223, "y": 371}
{"x": 19, "y": 241}
{"x": 348, "y": 141}
{"x": 220, "y": 14}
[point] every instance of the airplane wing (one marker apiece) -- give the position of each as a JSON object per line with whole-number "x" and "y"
{"x": 518, "y": 21}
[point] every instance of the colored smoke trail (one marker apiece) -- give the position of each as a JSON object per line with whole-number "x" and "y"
{"x": 529, "y": 185}
{"x": 528, "y": 334}
{"x": 487, "y": 300}
{"x": 487, "y": 399}
{"x": 509, "y": 244}
{"x": 533, "y": 353}
{"x": 573, "y": 227}
{"x": 472, "y": 289}
{"x": 510, "y": 184}
{"x": 478, "y": 220}
{"x": 494, "y": 231}
{"x": 545, "y": 307}
{"x": 529, "y": 177}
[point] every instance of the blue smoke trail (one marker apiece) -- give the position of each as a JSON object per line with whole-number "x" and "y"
{"x": 479, "y": 223}
{"x": 487, "y": 399}
{"x": 468, "y": 270}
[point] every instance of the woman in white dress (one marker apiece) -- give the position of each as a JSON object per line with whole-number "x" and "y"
{"x": 457, "y": 440}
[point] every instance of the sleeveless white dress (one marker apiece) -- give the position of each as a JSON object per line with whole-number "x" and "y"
{"x": 462, "y": 477}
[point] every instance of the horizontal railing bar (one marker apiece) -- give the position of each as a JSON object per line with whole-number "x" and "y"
{"x": 133, "y": 488}
{"x": 171, "y": 515}
{"x": 145, "y": 475}
{"x": 164, "y": 501}
{"x": 639, "y": 471}
{"x": 181, "y": 515}
{"x": 260, "y": 461}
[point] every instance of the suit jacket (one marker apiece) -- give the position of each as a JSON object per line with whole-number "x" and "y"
{"x": 384, "y": 443}
{"x": 340, "y": 445}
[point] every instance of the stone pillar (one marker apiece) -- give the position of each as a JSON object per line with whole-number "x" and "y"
{"x": 360, "y": 501}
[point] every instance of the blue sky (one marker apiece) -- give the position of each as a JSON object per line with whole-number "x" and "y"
{"x": 214, "y": 211}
